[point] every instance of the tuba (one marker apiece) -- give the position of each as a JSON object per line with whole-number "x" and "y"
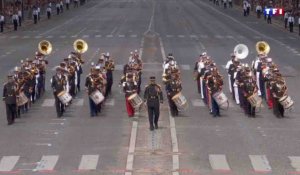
{"x": 241, "y": 51}
{"x": 80, "y": 46}
{"x": 262, "y": 47}
{"x": 45, "y": 47}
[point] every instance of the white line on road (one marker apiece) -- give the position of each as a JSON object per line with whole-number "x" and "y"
{"x": 110, "y": 102}
{"x": 130, "y": 157}
{"x": 169, "y": 36}
{"x": 8, "y": 163}
{"x": 48, "y": 103}
{"x": 185, "y": 67}
{"x": 50, "y": 36}
{"x": 98, "y": 36}
{"x": 47, "y": 163}
{"x": 181, "y": 36}
{"x": 218, "y": 162}
{"x": 121, "y": 36}
{"x": 85, "y": 36}
{"x": 133, "y": 36}
{"x": 109, "y": 36}
{"x": 198, "y": 103}
{"x": 295, "y": 162}
{"x": 56, "y": 123}
{"x": 43, "y": 144}
{"x": 88, "y": 162}
{"x": 79, "y": 102}
{"x": 260, "y": 163}
{"x": 119, "y": 67}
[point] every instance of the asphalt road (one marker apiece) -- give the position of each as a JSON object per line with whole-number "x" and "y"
{"x": 194, "y": 142}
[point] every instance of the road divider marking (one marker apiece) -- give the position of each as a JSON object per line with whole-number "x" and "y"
{"x": 8, "y": 163}
{"x": 78, "y": 102}
{"x": 88, "y": 162}
{"x": 48, "y": 103}
{"x": 110, "y": 102}
{"x": 47, "y": 163}
{"x": 260, "y": 163}
{"x": 218, "y": 162}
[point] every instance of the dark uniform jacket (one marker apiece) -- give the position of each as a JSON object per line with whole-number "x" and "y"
{"x": 173, "y": 87}
{"x": 92, "y": 83}
{"x": 153, "y": 95}
{"x": 9, "y": 93}
{"x": 58, "y": 84}
{"x": 129, "y": 88}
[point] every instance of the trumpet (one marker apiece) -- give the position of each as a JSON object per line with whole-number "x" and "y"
{"x": 45, "y": 47}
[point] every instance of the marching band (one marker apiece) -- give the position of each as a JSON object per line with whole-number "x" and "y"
{"x": 249, "y": 85}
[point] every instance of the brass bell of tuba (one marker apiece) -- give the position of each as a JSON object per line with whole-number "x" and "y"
{"x": 241, "y": 51}
{"x": 45, "y": 47}
{"x": 262, "y": 47}
{"x": 80, "y": 46}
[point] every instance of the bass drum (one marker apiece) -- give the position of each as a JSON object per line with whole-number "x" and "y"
{"x": 135, "y": 100}
{"x": 22, "y": 100}
{"x": 221, "y": 99}
{"x": 180, "y": 101}
{"x": 255, "y": 100}
{"x": 286, "y": 101}
{"x": 64, "y": 97}
{"x": 97, "y": 97}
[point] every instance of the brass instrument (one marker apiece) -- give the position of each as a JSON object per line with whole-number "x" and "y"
{"x": 80, "y": 46}
{"x": 241, "y": 51}
{"x": 262, "y": 47}
{"x": 110, "y": 65}
{"x": 45, "y": 47}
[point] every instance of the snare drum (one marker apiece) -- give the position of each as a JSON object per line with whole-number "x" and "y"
{"x": 180, "y": 101}
{"x": 22, "y": 100}
{"x": 255, "y": 100}
{"x": 64, "y": 97}
{"x": 221, "y": 99}
{"x": 135, "y": 100}
{"x": 286, "y": 101}
{"x": 97, "y": 97}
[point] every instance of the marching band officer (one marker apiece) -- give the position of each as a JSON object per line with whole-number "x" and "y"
{"x": 278, "y": 89}
{"x": 172, "y": 88}
{"x": 198, "y": 72}
{"x": 214, "y": 85}
{"x": 129, "y": 87}
{"x": 232, "y": 71}
{"x": 10, "y": 99}
{"x": 258, "y": 69}
{"x": 249, "y": 88}
{"x": 58, "y": 84}
{"x": 228, "y": 65}
{"x": 153, "y": 96}
{"x": 109, "y": 67}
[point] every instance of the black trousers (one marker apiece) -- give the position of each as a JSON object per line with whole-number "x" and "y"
{"x": 57, "y": 10}
{"x": 285, "y": 23}
{"x": 60, "y": 107}
{"x": 35, "y": 19}
{"x": 173, "y": 107}
{"x": 20, "y": 20}
{"x": 1, "y": 26}
{"x": 48, "y": 15}
{"x": 11, "y": 112}
{"x": 299, "y": 29}
{"x": 78, "y": 82}
{"x": 153, "y": 114}
{"x": 15, "y": 24}
{"x": 278, "y": 109}
{"x": 67, "y": 6}
{"x": 291, "y": 27}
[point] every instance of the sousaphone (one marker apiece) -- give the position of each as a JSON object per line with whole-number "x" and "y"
{"x": 241, "y": 51}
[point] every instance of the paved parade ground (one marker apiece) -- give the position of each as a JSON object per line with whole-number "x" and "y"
{"x": 193, "y": 143}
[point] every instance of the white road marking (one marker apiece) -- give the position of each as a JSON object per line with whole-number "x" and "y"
{"x": 121, "y": 36}
{"x": 13, "y": 37}
{"x": 79, "y": 102}
{"x": 130, "y": 156}
{"x": 180, "y": 36}
{"x": 133, "y": 36}
{"x": 56, "y": 123}
{"x": 88, "y": 162}
{"x": 110, "y": 102}
{"x": 185, "y": 67}
{"x": 260, "y": 163}
{"x": 47, "y": 163}
{"x": 295, "y": 162}
{"x": 256, "y": 37}
{"x": 98, "y": 36}
{"x": 193, "y": 36}
{"x": 85, "y": 36}
{"x": 229, "y": 36}
{"x": 8, "y": 163}
{"x": 198, "y": 103}
{"x": 74, "y": 36}
{"x": 290, "y": 37}
{"x": 43, "y": 144}
{"x": 25, "y": 37}
{"x": 218, "y": 162}
{"x": 48, "y": 102}
{"x": 169, "y": 36}
{"x": 62, "y": 36}
{"x": 219, "y": 36}
{"x": 50, "y": 36}
{"x": 109, "y": 36}
{"x": 118, "y": 67}
{"x": 203, "y": 36}
{"x": 37, "y": 37}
